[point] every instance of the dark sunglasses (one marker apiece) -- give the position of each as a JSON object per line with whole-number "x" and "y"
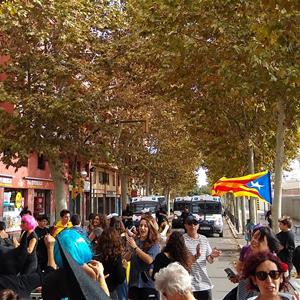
{"x": 262, "y": 275}
{"x": 194, "y": 222}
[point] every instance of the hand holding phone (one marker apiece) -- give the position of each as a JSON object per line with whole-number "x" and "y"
{"x": 229, "y": 272}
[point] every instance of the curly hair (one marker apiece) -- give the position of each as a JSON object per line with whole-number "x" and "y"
{"x": 273, "y": 243}
{"x": 253, "y": 261}
{"x": 109, "y": 244}
{"x": 153, "y": 235}
{"x": 103, "y": 223}
{"x": 178, "y": 251}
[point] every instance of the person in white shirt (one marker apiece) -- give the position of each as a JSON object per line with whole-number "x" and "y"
{"x": 200, "y": 248}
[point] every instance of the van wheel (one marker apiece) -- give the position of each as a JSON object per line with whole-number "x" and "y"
{"x": 221, "y": 234}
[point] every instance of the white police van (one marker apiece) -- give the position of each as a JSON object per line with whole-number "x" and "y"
{"x": 146, "y": 204}
{"x": 209, "y": 211}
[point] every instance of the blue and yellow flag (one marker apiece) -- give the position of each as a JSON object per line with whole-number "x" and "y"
{"x": 254, "y": 185}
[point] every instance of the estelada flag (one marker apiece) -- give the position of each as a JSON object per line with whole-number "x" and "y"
{"x": 254, "y": 185}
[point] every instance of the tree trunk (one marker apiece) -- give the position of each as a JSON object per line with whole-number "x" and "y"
{"x": 124, "y": 189}
{"x": 276, "y": 207}
{"x": 236, "y": 213}
{"x": 59, "y": 187}
{"x": 148, "y": 183}
{"x": 252, "y": 202}
{"x": 243, "y": 207}
{"x": 167, "y": 198}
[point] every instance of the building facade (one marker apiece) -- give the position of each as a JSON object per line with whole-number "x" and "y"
{"x": 30, "y": 186}
{"x": 106, "y": 190}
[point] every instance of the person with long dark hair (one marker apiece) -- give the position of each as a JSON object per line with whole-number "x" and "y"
{"x": 263, "y": 239}
{"x": 174, "y": 251}
{"x": 99, "y": 224}
{"x": 118, "y": 225}
{"x": 266, "y": 275}
{"x": 108, "y": 251}
{"x": 144, "y": 250}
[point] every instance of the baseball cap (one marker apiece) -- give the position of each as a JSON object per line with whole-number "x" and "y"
{"x": 191, "y": 219}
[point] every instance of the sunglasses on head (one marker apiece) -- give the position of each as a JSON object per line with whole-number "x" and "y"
{"x": 262, "y": 275}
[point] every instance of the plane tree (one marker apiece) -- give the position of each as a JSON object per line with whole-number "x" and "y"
{"x": 59, "y": 81}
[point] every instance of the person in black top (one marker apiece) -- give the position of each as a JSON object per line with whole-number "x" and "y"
{"x": 268, "y": 217}
{"x": 127, "y": 217}
{"x": 175, "y": 250}
{"x": 287, "y": 240}
{"x": 5, "y": 239}
{"x": 161, "y": 216}
{"x": 23, "y": 285}
{"x": 108, "y": 252}
{"x": 28, "y": 225}
{"x": 41, "y": 231}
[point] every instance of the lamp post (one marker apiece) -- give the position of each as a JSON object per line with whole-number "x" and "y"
{"x": 92, "y": 169}
{"x": 84, "y": 175}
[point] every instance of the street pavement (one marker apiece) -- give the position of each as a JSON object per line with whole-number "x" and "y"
{"x": 230, "y": 253}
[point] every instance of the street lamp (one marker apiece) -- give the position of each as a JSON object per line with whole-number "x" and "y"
{"x": 92, "y": 170}
{"x": 83, "y": 174}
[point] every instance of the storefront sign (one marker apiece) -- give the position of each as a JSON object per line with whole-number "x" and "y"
{"x": 18, "y": 200}
{"x": 4, "y": 181}
{"x": 111, "y": 193}
{"x": 34, "y": 183}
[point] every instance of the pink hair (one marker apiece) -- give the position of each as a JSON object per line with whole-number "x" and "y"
{"x": 30, "y": 221}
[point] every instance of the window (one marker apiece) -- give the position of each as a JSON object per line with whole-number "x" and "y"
{"x": 114, "y": 179}
{"x": 41, "y": 162}
{"x": 94, "y": 175}
{"x": 101, "y": 177}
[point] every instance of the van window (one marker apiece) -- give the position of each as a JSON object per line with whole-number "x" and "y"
{"x": 139, "y": 206}
{"x": 207, "y": 207}
{"x": 179, "y": 206}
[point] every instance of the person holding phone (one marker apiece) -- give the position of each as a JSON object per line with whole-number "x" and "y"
{"x": 143, "y": 252}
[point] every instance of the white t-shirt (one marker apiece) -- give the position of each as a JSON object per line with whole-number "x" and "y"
{"x": 295, "y": 282}
{"x": 200, "y": 279}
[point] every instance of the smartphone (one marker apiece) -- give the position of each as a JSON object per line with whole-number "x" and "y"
{"x": 229, "y": 272}
{"x": 129, "y": 232}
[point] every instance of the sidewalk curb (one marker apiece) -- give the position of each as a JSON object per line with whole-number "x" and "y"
{"x": 233, "y": 231}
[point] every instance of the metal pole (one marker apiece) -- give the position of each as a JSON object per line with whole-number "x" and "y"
{"x": 91, "y": 190}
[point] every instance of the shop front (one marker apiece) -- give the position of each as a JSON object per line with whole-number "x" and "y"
{"x": 17, "y": 193}
{"x": 13, "y": 201}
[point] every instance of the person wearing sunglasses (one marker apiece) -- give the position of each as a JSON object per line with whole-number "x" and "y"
{"x": 263, "y": 239}
{"x": 202, "y": 252}
{"x": 266, "y": 275}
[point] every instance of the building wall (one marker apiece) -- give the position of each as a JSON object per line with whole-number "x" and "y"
{"x": 106, "y": 190}
{"x": 291, "y": 199}
{"x": 27, "y": 186}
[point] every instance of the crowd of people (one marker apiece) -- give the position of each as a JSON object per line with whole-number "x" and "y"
{"x": 110, "y": 258}
{"x": 263, "y": 270}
